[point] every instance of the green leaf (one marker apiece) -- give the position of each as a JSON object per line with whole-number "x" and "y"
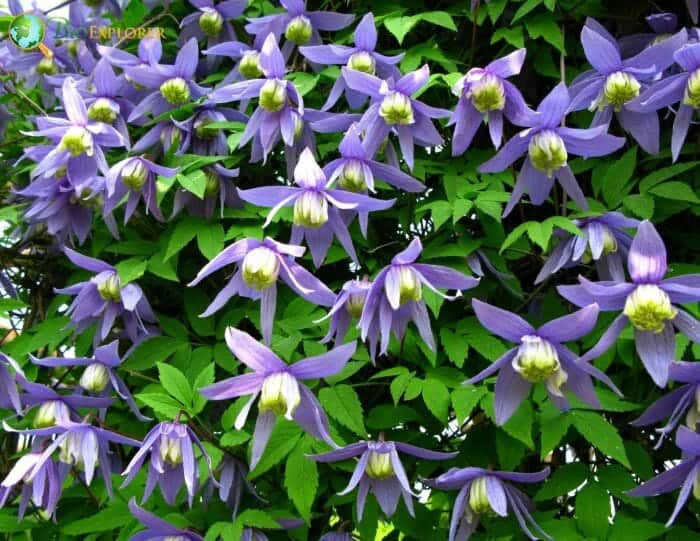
{"x": 111, "y": 518}
{"x": 593, "y": 510}
{"x": 465, "y": 399}
{"x": 194, "y": 182}
{"x": 400, "y": 26}
{"x": 7, "y": 305}
{"x": 134, "y": 14}
{"x": 663, "y": 174}
{"x": 544, "y": 26}
{"x": 304, "y": 82}
{"x": 342, "y": 404}
{"x": 284, "y": 438}
{"x": 153, "y": 350}
{"x": 437, "y": 398}
{"x": 617, "y": 176}
{"x": 301, "y": 481}
{"x": 565, "y": 479}
{"x": 131, "y": 269}
{"x": 163, "y": 269}
{"x": 210, "y": 240}
{"x": 175, "y": 383}
{"x": 455, "y": 346}
{"x": 398, "y": 386}
{"x": 638, "y": 529}
{"x": 640, "y": 205}
{"x": 439, "y": 18}
{"x": 676, "y": 190}
{"x": 205, "y": 378}
{"x": 520, "y": 424}
{"x": 526, "y": 8}
{"x": 552, "y": 430}
{"x": 600, "y": 434}
{"x": 185, "y": 230}
{"x": 255, "y": 518}
{"x": 161, "y": 403}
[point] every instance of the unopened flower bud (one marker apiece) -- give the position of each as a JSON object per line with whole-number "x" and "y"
{"x": 49, "y": 412}
{"x": 536, "y": 359}
{"x": 379, "y": 465}
{"x": 273, "y": 95}
{"x": 170, "y": 450}
{"x": 352, "y": 177}
{"x": 479, "y": 497}
{"x": 95, "y": 378}
{"x": 609, "y": 241}
{"x": 203, "y": 130}
{"x": 134, "y": 175}
{"x": 175, "y": 91}
{"x": 396, "y": 108}
{"x": 280, "y": 394}
{"x": 213, "y": 183}
{"x": 77, "y": 140}
{"x": 103, "y": 110}
{"x": 620, "y": 87}
{"x": 249, "y": 66}
{"x": 299, "y": 30}
{"x": 72, "y": 47}
{"x": 110, "y": 288}
{"x": 310, "y": 210}
{"x": 649, "y": 307}
{"x": 410, "y": 288}
{"x": 692, "y": 90}
{"x": 488, "y": 94}
{"x": 211, "y": 22}
{"x": 547, "y": 151}
{"x": 362, "y": 61}
{"x": 47, "y": 66}
{"x": 260, "y": 268}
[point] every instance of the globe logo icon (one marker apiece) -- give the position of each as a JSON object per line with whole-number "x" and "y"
{"x": 27, "y": 31}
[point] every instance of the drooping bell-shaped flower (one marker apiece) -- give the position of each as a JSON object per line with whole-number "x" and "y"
{"x": 485, "y": 94}
{"x": 603, "y": 241}
{"x": 53, "y": 407}
{"x": 648, "y": 303}
{"x": 396, "y": 298}
{"x": 211, "y": 20}
{"x": 278, "y": 388}
{"x": 663, "y": 26}
{"x": 490, "y": 493}
{"x": 172, "y": 461}
{"x": 548, "y": 145}
{"x": 259, "y": 266}
{"x": 539, "y": 357}
{"x": 347, "y": 307}
{"x": 379, "y": 470}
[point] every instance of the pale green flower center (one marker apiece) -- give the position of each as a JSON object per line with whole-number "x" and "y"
{"x": 693, "y": 416}
{"x": 649, "y": 308}
{"x": 609, "y": 245}
{"x": 299, "y": 30}
{"x": 72, "y": 448}
{"x": 49, "y": 412}
{"x": 260, "y": 268}
{"x": 620, "y": 87}
{"x": 362, "y": 61}
{"x": 355, "y": 304}
{"x": 171, "y": 450}
{"x": 175, "y": 91}
{"x": 170, "y": 136}
{"x": 488, "y": 94}
{"x": 396, "y": 108}
{"x": 410, "y": 288}
{"x": 479, "y": 497}
{"x": 203, "y": 130}
{"x": 95, "y": 378}
{"x": 102, "y": 110}
{"x": 692, "y": 90}
{"x": 547, "y": 151}
{"x": 211, "y": 22}
{"x": 379, "y": 465}
{"x": 280, "y": 395}
{"x": 77, "y": 140}
{"x": 273, "y": 95}
{"x": 213, "y": 183}
{"x": 537, "y": 361}
{"x": 110, "y": 289}
{"x": 310, "y": 210}
{"x": 352, "y": 177}
{"x": 134, "y": 175}
{"x": 249, "y": 65}
{"x": 47, "y": 66}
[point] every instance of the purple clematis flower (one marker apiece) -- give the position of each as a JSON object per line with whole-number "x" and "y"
{"x": 355, "y": 170}
{"x": 173, "y": 86}
{"x": 280, "y": 106}
{"x": 54, "y": 407}
{"x": 539, "y": 357}
{"x": 396, "y": 297}
{"x": 348, "y": 305}
{"x": 392, "y": 109}
{"x": 485, "y": 94}
{"x": 663, "y": 25}
{"x": 685, "y": 400}
{"x": 317, "y": 208}
{"x": 10, "y": 371}
{"x": 149, "y": 53}
{"x": 77, "y": 140}
{"x": 247, "y": 59}
{"x": 613, "y": 82}
{"x": 219, "y": 191}
{"x": 41, "y": 481}
{"x": 548, "y": 145}
{"x": 684, "y": 475}
{"x": 488, "y": 492}
{"x": 299, "y": 26}
{"x": 336, "y": 536}
{"x": 100, "y": 375}
{"x": 683, "y": 88}
{"x": 211, "y": 20}
{"x": 172, "y": 462}
{"x": 82, "y": 446}
{"x": 362, "y": 57}
{"x": 647, "y": 302}
{"x": 157, "y": 528}
{"x": 199, "y": 137}
{"x": 279, "y": 387}
{"x": 232, "y": 475}
{"x": 604, "y": 241}
{"x": 135, "y": 177}
{"x": 260, "y": 265}
{"x": 102, "y": 299}
{"x": 379, "y": 470}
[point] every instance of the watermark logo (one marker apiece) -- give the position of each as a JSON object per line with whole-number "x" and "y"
{"x": 27, "y": 32}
